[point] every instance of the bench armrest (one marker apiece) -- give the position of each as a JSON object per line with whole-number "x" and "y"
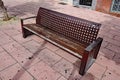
{"x": 94, "y": 44}
{"x": 90, "y": 54}
{"x": 26, "y": 19}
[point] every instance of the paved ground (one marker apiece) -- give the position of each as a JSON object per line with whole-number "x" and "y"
{"x": 34, "y": 59}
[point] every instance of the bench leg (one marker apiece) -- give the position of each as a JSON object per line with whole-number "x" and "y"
{"x": 88, "y": 59}
{"x": 83, "y": 63}
{"x": 26, "y": 32}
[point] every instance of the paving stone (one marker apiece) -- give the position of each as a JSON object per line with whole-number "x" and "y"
{"x": 19, "y": 38}
{"x": 42, "y": 71}
{"x": 76, "y": 76}
{"x": 62, "y": 78}
{"x": 114, "y": 48}
{"x": 25, "y": 58}
{"x": 108, "y": 64}
{"x": 115, "y": 32}
{"x": 88, "y": 76}
{"x": 6, "y": 27}
{"x": 12, "y": 32}
{"x": 1, "y": 49}
{"x": 117, "y": 27}
{"x": 108, "y": 34}
{"x": 115, "y": 22}
{"x": 105, "y": 28}
{"x": 67, "y": 69}
{"x": 109, "y": 75}
{"x": 13, "y": 46}
{"x": 117, "y": 38}
{"x": 33, "y": 46}
{"x": 4, "y": 39}
{"x": 104, "y": 43}
{"x": 68, "y": 57}
{"x": 112, "y": 41}
{"x": 6, "y": 60}
{"x": 96, "y": 70}
{"x": 107, "y": 53}
{"x": 16, "y": 25}
{"x": 117, "y": 58}
{"x": 49, "y": 57}
{"x": 15, "y": 72}
{"x": 2, "y": 33}
{"x": 101, "y": 35}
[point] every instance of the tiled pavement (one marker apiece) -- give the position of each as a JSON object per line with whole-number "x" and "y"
{"x": 33, "y": 58}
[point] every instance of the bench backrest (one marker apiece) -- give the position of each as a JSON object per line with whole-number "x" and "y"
{"x": 74, "y": 28}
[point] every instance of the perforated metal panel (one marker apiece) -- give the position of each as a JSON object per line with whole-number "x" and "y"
{"x": 71, "y": 27}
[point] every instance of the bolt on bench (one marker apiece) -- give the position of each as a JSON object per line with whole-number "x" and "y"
{"x": 75, "y": 35}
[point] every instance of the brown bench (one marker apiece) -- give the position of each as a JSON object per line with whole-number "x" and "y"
{"x": 75, "y": 35}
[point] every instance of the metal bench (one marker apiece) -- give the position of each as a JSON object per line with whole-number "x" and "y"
{"x": 75, "y": 35}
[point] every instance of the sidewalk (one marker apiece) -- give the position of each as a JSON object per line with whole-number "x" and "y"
{"x": 33, "y": 58}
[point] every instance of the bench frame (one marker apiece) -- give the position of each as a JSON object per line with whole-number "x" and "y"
{"x": 86, "y": 59}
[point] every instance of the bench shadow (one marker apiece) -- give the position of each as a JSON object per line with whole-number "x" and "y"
{"x": 75, "y": 70}
{"x": 28, "y": 63}
{"x": 75, "y": 73}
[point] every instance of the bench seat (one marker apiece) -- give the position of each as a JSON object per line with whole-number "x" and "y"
{"x": 73, "y": 46}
